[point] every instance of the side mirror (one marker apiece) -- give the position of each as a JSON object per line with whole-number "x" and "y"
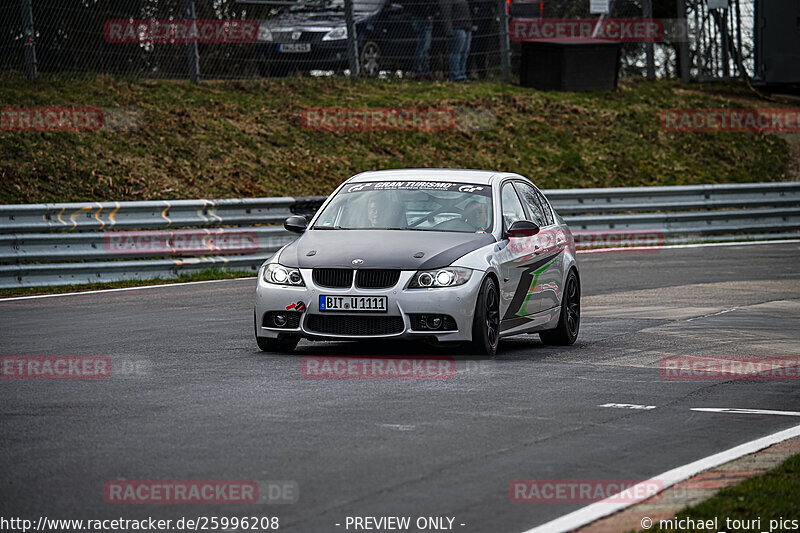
{"x": 523, "y": 228}
{"x": 295, "y": 224}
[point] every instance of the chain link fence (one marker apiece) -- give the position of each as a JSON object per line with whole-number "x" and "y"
{"x": 722, "y": 40}
{"x": 225, "y": 39}
{"x": 231, "y": 39}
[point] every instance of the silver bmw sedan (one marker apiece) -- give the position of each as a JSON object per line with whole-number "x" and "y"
{"x": 450, "y": 256}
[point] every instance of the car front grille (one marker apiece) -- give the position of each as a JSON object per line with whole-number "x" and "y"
{"x": 376, "y": 278}
{"x": 333, "y": 277}
{"x": 354, "y": 325}
{"x": 305, "y": 37}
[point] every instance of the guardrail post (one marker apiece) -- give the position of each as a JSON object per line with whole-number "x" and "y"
{"x": 192, "y": 50}
{"x": 647, "y": 12}
{"x": 684, "y": 42}
{"x": 352, "y": 39}
{"x": 505, "y": 45}
{"x": 28, "y": 34}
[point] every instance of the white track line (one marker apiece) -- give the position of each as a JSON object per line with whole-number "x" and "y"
{"x": 592, "y": 251}
{"x": 628, "y": 406}
{"x": 595, "y": 511}
{"x": 121, "y": 289}
{"x": 745, "y": 411}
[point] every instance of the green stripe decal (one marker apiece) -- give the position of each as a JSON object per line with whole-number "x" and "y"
{"x": 524, "y": 305}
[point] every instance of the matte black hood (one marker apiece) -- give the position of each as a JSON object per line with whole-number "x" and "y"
{"x": 381, "y": 248}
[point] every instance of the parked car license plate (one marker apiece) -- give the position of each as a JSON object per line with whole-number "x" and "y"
{"x": 375, "y": 304}
{"x": 294, "y": 48}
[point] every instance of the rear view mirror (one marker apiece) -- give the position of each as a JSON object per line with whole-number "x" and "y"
{"x": 523, "y": 228}
{"x": 295, "y": 224}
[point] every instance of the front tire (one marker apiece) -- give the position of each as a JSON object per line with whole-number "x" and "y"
{"x": 486, "y": 323}
{"x": 370, "y": 60}
{"x": 569, "y": 322}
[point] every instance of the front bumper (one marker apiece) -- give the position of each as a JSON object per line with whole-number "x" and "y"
{"x": 324, "y": 55}
{"x": 458, "y": 302}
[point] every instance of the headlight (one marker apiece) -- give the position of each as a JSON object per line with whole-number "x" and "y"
{"x": 281, "y": 275}
{"x": 444, "y": 277}
{"x": 336, "y": 34}
{"x": 264, "y": 34}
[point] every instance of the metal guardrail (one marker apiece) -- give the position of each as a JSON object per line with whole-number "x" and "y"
{"x": 673, "y": 198}
{"x": 681, "y": 213}
{"x": 150, "y": 214}
{"x": 71, "y": 243}
{"x": 24, "y": 247}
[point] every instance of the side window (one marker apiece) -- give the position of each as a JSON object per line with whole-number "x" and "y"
{"x": 537, "y": 205}
{"x": 528, "y": 195}
{"x": 512, "y": 207}
{"x": 548, "y": 213}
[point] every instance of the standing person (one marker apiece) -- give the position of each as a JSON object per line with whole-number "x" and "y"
{"x": 422, "y": 13}
{"x": 482, "y": 18}
{"x": 458, "y": 28}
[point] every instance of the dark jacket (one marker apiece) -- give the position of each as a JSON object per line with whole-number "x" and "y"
{"x": 455, "y": 15}
{"x": 482, "y": 15}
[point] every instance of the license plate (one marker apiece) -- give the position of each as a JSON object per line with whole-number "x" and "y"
{"x": 373, "y": 304}
{"x": 294, "y": 48}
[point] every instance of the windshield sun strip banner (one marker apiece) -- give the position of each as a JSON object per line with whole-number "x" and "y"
{"x": 471, "y": 188}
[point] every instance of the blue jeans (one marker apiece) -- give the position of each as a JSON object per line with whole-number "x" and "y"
{"x": 423, "y": 29}
{"x": 459, "y": 52}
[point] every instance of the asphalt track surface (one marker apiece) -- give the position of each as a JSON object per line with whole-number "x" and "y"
{"x": 198, "y": 401}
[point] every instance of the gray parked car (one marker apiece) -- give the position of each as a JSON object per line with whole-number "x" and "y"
{"x": 445, "y": 255}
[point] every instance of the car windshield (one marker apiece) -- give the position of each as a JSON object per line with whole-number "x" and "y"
{"x": 409, "y": 205}
{"x": 336, "y": 5}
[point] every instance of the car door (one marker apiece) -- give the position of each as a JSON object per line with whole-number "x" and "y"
{"x": 518, "y": 264}
{"x": 549, "y": 277}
